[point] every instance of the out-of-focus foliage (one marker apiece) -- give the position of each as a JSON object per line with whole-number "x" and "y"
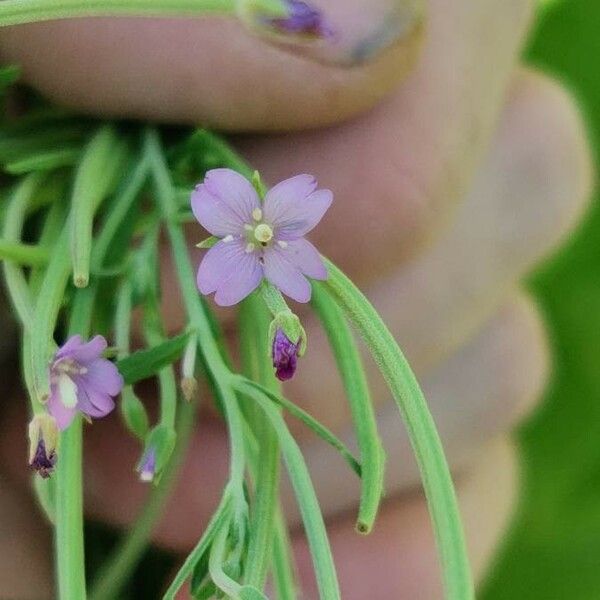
{"x": 553, "y": 551}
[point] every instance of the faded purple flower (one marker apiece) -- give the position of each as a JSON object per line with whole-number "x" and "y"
{"x": 147, "y": 465}
{"x": 43, "y": 462}
{"x": 303, "y": 19}
{"x": 81, "y": 380}
{"x": 43, "y": 438}
{"x": 259, "y": 240}
{"x": 285, "y": 356}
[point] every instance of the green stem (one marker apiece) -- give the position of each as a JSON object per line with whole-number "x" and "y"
{"x": 70, "y": 563}
{"x": 435, "y": 474}
{"x": 24, "y": 254}
{"x": 284, "y": 578}
{"x": 17, "y": 12}
{"x": 253, "y": 342}
{"x": 220, "y": 374}
{"x": 372, "y": 455}
{"x": 308, "y": 504}
{"x": 69, "y": 545}
{"x": 113, "y": 575}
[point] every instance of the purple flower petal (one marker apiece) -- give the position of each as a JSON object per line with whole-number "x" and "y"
{"x": 89, "y": 351}
{"x": 224, "y": 202}
{"x": 285, "y": 276}
{"x": 242, "y": 282}
{"x": 67, "y": 349}
{"x": 219, "y": 263}
{"x": 285, "y": 356}
{"x": 63, "y": 415}
{"x": 103, "y": 376}
{"x": 306, "y": 257}
{"x": 93, "y": 402}
{"x": 293, "y": 206}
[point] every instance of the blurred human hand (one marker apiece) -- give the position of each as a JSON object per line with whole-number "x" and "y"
{"x": 450, "y": 181}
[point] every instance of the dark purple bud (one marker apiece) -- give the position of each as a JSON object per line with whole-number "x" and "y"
{"x": 285, "y": 356}
{"x": 147, "y": 466}
{"x": 43, "y": 462}
{"x": 303, "y": 19}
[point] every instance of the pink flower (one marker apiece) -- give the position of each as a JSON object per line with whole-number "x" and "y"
{"x": 81, "y": 380}
{"x": 259, "y": 239}
{"x": 303, "y": 19}
{"x": 285, "y": 356}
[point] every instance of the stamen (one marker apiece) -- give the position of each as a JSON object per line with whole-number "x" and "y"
{"x": 228, "y": 238}
{"x": 257, "y": 214}
{"x": 248, "y": 227}
{"x": 282, "y": 244}
{"x": 250, "y": 248}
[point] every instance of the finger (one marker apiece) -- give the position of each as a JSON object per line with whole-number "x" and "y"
{"x": 509, "y": 372}
{"x": 25, "y": 547}
{"x": 211, "y": 71}
{"x": 398, "y": 559}
{"x": 479, "y": 392}
{"x": 530, "y": 190}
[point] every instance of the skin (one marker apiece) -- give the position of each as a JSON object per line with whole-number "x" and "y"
{"x": 454, "y": 169}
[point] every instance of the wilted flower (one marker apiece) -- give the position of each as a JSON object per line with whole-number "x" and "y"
{"x": 285, "y": 356}
{"x": 43, "y": 438}
{"x": 259, "y": 240}
{"x": 81, "y": 380}
{"x": 303, "y": 19}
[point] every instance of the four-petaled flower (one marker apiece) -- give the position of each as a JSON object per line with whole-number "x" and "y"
{"x": 259, "y": 239}
{"x": 81, "y": 380}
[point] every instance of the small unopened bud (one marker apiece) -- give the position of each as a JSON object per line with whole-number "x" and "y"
{"x": 147, "y": 466}
{"x": 287, "y": 343}
{"x": 189, "y": 385}
{"x": 43, "y": 440}
{"x": 157, "y": 451}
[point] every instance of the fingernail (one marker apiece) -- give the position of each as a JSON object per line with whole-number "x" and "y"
{"x": 339, "y": 32}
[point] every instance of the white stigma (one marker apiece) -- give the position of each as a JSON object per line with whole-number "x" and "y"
{"x": 263, "y": 233}
{"x": 257, "y": 214}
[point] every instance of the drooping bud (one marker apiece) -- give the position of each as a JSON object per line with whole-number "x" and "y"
{"x": 43, "y": 440}
{"x": 287, "y": 343}
{"x": 157, "y": 451}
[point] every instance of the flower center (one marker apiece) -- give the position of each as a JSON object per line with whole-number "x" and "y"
{"x": 263, "y": 233}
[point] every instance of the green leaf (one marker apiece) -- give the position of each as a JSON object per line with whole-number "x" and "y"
{"x": 146, "y": 363}
{"x": 44, "y": 160}
{"x": 252, "y": 388}
{"x": 435, "y": 474}
{"x": 350, "y": 366}
{"x": 251, "y": 593}
{"x": 308, "y": 504}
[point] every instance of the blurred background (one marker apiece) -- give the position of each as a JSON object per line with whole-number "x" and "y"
{"x": 553, "y": 549}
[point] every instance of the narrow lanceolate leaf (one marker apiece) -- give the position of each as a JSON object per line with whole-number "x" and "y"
{"x": 23, "y": 254}
{"x": 351, "y": 370}
{"x": 251, "y": 387}
{"x": 45, "y": 160}
{"x": 146, "y": 363}
{"x": 93, "y": 179}
{"x": 424, "y": 438}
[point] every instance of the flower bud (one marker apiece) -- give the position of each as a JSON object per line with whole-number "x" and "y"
{"x": 189, "y": 385}
{"x": 157, "y": 451}
{"x": 287, "y": 343}
{"x": 43, "y": 440}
